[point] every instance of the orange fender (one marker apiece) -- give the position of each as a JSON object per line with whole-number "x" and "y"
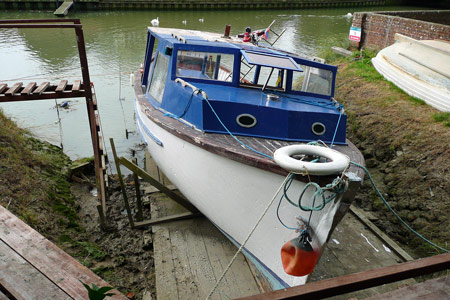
{"x": 298, "y": 257}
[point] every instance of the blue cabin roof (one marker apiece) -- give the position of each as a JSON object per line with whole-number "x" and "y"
{"x": 224, "y": 85}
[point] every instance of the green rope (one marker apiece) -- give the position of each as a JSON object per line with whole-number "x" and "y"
{"x": 337, "y": 187}
{"x": 395, "y": 214}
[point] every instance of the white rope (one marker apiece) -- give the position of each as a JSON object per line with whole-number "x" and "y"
{"x": 246, "y": 240}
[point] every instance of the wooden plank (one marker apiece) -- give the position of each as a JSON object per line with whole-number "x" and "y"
{"x": 357, "y": 281}
{"x": 164, "y": 268}
{"x": 63, "y": 9}
{"x": 76, "y": 86}
{"x": 57, "y": 265}
{"x": 185, "y": 276}
{"x": 3, "y": 87}
{"x": 180, "y": 200}
{"x": 436, "y": 289}
{"x": 97, "y": 123}
{"x": 3, "y": 296}
{"x": 341, "y": 51}
{"x": 239, "y": 280}
{"x": 393, "y": 245}
{"x": 14, "y": 89}
{"x": 29, "y": 88}
{"x": 22, "y": 280}
{"x": 171, "y": 218}
{"x": 42, "y": 88}
{"x": 61, "y": 86}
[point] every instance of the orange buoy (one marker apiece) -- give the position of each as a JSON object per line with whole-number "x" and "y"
{"x": 298, "y": 256}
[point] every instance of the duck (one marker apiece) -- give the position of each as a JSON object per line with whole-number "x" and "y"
{"x": 155, "y": 22}
{"x": 201, "y": 20}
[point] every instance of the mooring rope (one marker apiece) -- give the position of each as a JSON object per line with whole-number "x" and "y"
{"x": 246, "y": 239}
{"x": 394, "y": 213}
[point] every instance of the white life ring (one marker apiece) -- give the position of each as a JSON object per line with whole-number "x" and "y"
{"x": 337, "y": 164}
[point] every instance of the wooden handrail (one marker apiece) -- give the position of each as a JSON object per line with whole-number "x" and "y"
{"x": 359, "y": 281}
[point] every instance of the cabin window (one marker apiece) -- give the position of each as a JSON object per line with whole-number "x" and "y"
{"x": 257, "y": 77}
{"x": 202, "y": 65}
{"x": 159, "y": 76}
{"x": 313, "y": 80}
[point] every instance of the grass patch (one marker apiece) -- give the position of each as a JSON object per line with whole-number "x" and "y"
{"x": 442, "y": 117}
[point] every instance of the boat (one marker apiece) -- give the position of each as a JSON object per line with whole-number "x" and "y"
{"x": 416, "y": 66}
{"x": 212, "y": 110}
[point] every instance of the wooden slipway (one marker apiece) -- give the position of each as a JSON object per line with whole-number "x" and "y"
{"x": 32, "y": 267}
{"x": 191, "y": 255}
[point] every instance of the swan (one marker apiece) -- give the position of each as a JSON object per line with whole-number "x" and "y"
{"x": 201, "y": 20}
{"x": 155, "y": 22}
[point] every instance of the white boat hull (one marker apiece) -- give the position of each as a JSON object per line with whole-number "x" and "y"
{"x": 418, "y": 68}
{"x": 233, "y": 195}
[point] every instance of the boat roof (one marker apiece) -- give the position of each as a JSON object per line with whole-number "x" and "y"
{"x": 203, "y": 38}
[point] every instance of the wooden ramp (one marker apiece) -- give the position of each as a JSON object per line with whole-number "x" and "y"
{"x": 34, "y": 268}
{"x": 355, "y": 248}
{"x": 436, "y": 289}
{"x": 190, "y": 255}
{"x": 63, "y": 9}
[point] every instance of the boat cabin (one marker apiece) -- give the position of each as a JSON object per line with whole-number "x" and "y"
{"x": 222, "y": 85}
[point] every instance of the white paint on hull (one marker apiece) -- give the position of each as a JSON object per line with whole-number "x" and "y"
{"x": 233, "y": 196}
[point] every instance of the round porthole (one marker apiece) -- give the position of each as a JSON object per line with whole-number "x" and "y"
{"x": 246, "y": 120}
{"x": 318, "y": 128}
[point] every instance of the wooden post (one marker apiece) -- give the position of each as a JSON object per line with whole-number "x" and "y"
{"x": 122, "y": 185}
{"x": 140, "y": 215}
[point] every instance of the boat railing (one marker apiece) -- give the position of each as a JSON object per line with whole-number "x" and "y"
{"x": 194, "y": 89}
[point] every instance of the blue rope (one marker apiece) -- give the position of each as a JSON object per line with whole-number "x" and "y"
{"x": 229, "y": 132}
{"x": 336, "y": 129}
{"x": 319, "y": 103}
{"x": 395, "y": 214}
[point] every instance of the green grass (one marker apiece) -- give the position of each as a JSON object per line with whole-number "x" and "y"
{"x": 441, "y": 116}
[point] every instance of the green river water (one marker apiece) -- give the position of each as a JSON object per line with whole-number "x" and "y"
{"x": 115, "y": 43}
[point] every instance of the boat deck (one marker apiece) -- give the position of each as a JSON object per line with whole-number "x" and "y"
{"x": 34, "y": 268}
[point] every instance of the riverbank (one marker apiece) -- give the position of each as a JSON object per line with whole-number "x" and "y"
{"x": 406, "y": 146}
{"x": 34, "y": 186}
{"x": 193, "y": 4}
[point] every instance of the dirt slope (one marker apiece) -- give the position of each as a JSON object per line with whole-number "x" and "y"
{"x": 406, "y": 144}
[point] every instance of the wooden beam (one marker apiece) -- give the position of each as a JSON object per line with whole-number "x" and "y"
{"x": 29, "y": 88}
{"x": 76, "y": 86}
{"x": 14, "y": 89}
{"x": 122, "y": 184}
{"x": 41, "y": 88}
{"x": 359, "y": 281}
{"x": 175, "y": 197}
{"x": 61, "y": 86}
{"x": 380, "y": 234}
{"x": 172, "y": 218}
{"x": 41, "y": 96}
{"x": 3, "y": 87}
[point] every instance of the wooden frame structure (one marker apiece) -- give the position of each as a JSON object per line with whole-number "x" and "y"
{"x": 138, "y": 172}
{"x": 80, "y": 88}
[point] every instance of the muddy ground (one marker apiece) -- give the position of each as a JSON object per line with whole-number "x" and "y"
{"x": 406, "y": 145}
{"x": 127, "y": 263}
